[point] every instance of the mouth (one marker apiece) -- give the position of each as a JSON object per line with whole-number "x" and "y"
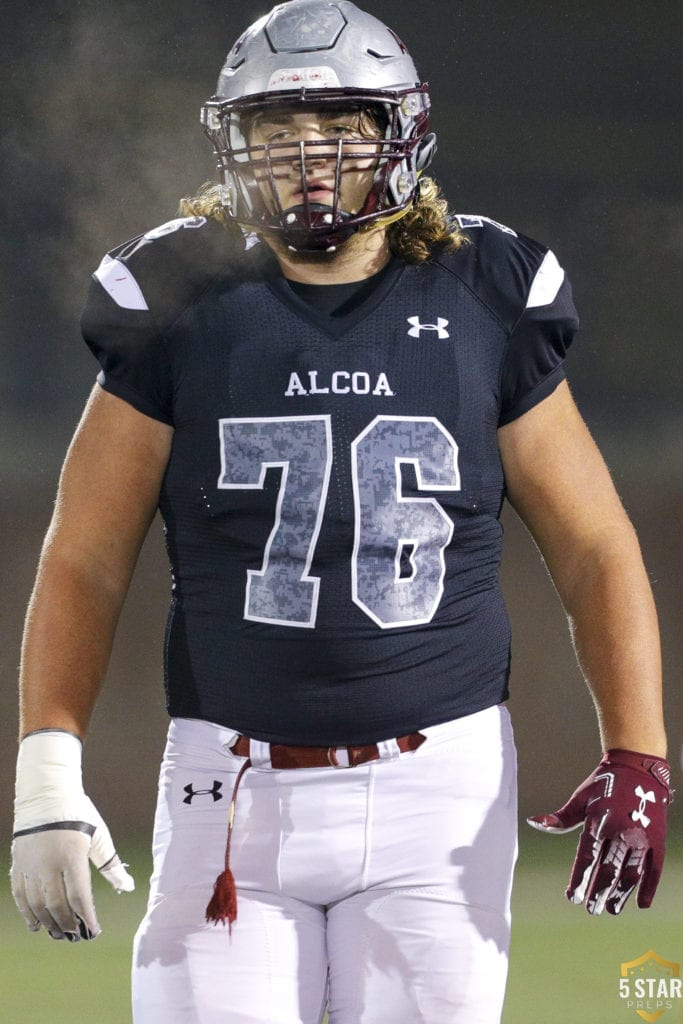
{"x": 317, "y": 192}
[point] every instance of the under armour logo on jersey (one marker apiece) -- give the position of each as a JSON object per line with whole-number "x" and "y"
{"x": 645, "y": 799}
{"x": 215, "y": 792}
{"x": 440, "y": 327}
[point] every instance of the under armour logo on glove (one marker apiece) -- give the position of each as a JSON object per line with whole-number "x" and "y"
{"x": 620, "y": 848}
{"x": 440, "y": 327}
{"x": 215, "y": 792}
{"x": 645, "y": 799}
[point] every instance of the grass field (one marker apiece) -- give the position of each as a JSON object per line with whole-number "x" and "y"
{"x": 564, "y": 967}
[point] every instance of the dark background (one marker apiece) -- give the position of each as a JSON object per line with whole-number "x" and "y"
{"x": 558, "y": 119}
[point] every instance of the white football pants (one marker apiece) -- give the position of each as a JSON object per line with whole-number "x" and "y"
{"x": 380, "y": 893}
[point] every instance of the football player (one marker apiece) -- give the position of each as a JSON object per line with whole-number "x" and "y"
{"x": 328, "y": 384}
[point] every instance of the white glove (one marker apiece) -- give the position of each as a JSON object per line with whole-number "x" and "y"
{"x": 56, "y": 829}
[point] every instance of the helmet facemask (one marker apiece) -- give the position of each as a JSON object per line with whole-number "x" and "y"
{"x": 391, "y": 132}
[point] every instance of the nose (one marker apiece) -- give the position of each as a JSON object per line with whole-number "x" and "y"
{"x": 313, "y": 149}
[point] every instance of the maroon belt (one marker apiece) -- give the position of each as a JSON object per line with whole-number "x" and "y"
{"x": 282, "y": 756}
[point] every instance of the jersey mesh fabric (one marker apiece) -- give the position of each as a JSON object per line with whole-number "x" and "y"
{"x": 332, "y": 499}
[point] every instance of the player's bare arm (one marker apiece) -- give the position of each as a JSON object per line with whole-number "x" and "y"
{"x": 107, "y": 498}
{"x": 557, "y": 481}
{"x": 559, "y": 484}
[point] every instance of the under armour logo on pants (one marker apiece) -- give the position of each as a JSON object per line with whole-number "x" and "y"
{"x": 215, "y": 792}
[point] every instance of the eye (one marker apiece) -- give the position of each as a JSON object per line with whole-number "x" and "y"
{"x": 281, "y": 135}
{"x": 264, "y": 132}
{"x": 341, "y": 130}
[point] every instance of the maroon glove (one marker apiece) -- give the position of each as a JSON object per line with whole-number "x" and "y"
{"x": 622, "y": 807}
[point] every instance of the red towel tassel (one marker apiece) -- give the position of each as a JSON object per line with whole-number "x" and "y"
{"x": 223, "y": 904}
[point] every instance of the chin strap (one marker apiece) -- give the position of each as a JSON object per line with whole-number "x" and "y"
{"x": 384, "y": 222}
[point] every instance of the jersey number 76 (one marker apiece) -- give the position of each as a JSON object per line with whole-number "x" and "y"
{"x": 390, "y": 530}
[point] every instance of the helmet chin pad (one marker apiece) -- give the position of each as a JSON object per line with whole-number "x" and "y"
{"x": 313, "y": 227}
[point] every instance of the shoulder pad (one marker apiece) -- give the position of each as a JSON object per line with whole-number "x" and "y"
{"x": 478, "y": 220}
{"x": 140, "y": 289}
{"x": 165, "y": 269}
{"x": 507, "y": 271}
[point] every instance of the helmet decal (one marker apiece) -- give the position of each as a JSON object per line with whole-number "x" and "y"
{"x": 293, "y": 78}
{"x": 295, "y": 28}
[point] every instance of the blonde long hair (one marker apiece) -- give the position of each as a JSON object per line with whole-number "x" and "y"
{"x": 423, "y": 232}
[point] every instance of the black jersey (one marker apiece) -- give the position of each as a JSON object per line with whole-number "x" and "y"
{"x": 332, "y": 499}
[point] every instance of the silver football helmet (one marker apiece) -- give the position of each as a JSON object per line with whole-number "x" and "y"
{"x": 331, "y": 54}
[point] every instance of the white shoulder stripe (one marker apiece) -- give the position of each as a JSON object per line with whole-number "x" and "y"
{"x": 117, "y": 280}
{"x": 546, "y": 283}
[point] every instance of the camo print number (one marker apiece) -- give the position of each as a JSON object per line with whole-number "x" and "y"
{"x": 398, "y": 556}
{"x": 282, "y": 591}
